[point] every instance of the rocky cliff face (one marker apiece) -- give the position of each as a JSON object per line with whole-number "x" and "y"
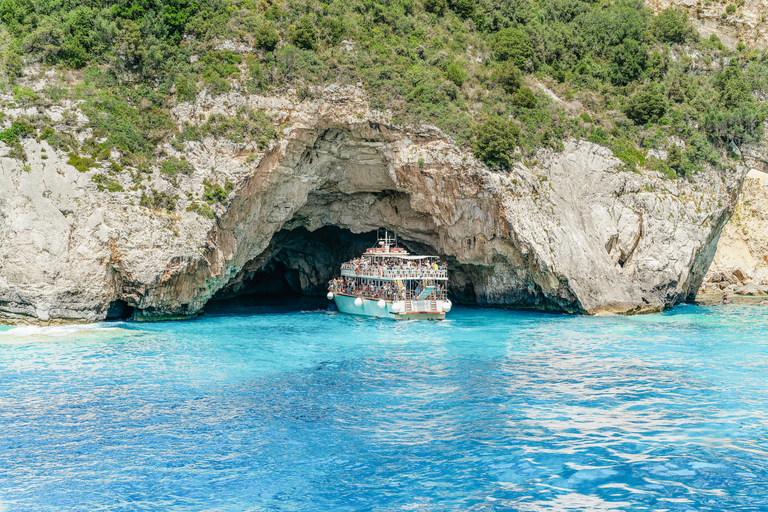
{"x": 748, "y": 24}
{"x": 571, "y": 231}
{"x": 741, "y": 261}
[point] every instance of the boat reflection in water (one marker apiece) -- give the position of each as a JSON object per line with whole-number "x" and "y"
{"x": 387, "y": 282}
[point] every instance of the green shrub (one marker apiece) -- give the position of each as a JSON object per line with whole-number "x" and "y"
{"x": 19, "y": 128}
{"x": 213, "y": 192}
{"x": 23, "y": 96}
{"x": 514, "y": 45}
{"x": 186, "y": 88}
{"x": 508, "y": 76}
{"x": 54, "y": 92}
{"x": 265, "y": 37}
{"x": 157, "y": 200}
{"x": 730, "y": 9}
{"x": 456, "y": 74}
{"x": 658, "y": 165}
{"x": 436, "y": 6}
{"x": 11, "y": 64}
{"x": 676, "y": 160}
{"x": 743, "y": 124}
{"x": 734, "y": 90}
{"x": 105, "y": 183}
{"x": 524, "y": 98}
{"x": 627, "y": 152}
{"x": 465, "y": 8}
{"x": 82, "y": 164}
{"x": 218, "y": 66}
{"x": 303, "y": 35}
{"x": 495, "y": 141}
{"x": 173, "y": 166}
{"x": 646, "y": 106}
{"x": 128, "y": 130}
{"x": 715, "y": 41}
{"x": 257, "y": 78}
{"x": 671, "y": 26}
{"x": 246, "y": 125}
{"x": 201, "y": 209}
{"x": 628, "y": 61}
{"x": 598, "y": 135}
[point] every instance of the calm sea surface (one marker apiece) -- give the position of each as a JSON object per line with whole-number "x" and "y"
{"x": 285, "y": 408}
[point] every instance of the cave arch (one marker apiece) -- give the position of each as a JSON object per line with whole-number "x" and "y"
{"x": 316, "y": 201}
{"x": 342, "y": 184}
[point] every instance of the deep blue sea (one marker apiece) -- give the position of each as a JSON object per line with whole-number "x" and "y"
{"x": 283, "y": 408}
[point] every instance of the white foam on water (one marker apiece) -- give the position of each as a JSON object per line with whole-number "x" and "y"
{"x": 572, "y": 501}
{"x": 28, "y": 331}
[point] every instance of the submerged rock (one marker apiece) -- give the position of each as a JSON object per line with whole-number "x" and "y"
{"x": 571, "y": 231}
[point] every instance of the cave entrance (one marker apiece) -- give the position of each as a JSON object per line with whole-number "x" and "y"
{"x": 119, "y": 310}
{"x": 297, "y": 262}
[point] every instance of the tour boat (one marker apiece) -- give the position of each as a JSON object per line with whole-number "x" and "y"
{"x": 388, "y": 282}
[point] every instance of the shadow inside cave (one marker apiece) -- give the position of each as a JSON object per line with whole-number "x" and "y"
{"x": 299, "y": 263}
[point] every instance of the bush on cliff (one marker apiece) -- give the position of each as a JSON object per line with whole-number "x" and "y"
{"x": 495, "y": 142}
{"x": 646, "y": 106}
{"x": 19, "y": 128}
{"x": 158, "y": 200}
{"x": 524, "y": 98}
{"x": 303, "y": 34}
{"x": 513, "y": 45}
{"x": 172, "y": 167}
{"x": 245, "y": 126}
{"x": 508, "y": 76}
{"x": 265, "y": 37}
{"x": 671, "y": 26}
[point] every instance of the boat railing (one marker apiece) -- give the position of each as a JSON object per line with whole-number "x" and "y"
{"x": 385, "y": 273}
{"x": 390, "y": 295}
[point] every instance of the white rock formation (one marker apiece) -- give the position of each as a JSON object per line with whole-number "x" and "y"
{"x": 747, "y": 25}
{"x": 741, "y": 262}
{"x": 572, "y": 232}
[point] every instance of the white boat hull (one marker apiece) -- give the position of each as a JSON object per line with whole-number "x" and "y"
{"x": 369, "y": 307}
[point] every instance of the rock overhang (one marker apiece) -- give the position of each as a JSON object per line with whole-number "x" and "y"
{"x": 573, "y": 233}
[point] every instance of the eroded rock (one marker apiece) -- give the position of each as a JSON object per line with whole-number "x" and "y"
{"x": 572, "y": 232}
{"x": 741, "y": 262}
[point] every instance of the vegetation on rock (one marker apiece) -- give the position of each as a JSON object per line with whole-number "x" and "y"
{"x": 158, "y": 200}
{"x": 495, "y": 75}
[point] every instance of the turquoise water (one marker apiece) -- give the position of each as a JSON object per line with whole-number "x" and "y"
{"x": 257, "y": 408}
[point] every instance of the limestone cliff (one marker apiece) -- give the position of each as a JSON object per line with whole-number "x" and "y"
{"x": 748, "y": 24}
{"x": 570, "y": 231}
{"x": 741, "y": 261}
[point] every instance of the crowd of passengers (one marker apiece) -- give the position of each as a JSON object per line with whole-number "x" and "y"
{"x": 368, "y": 266}
{"x": 386, "y": 291}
